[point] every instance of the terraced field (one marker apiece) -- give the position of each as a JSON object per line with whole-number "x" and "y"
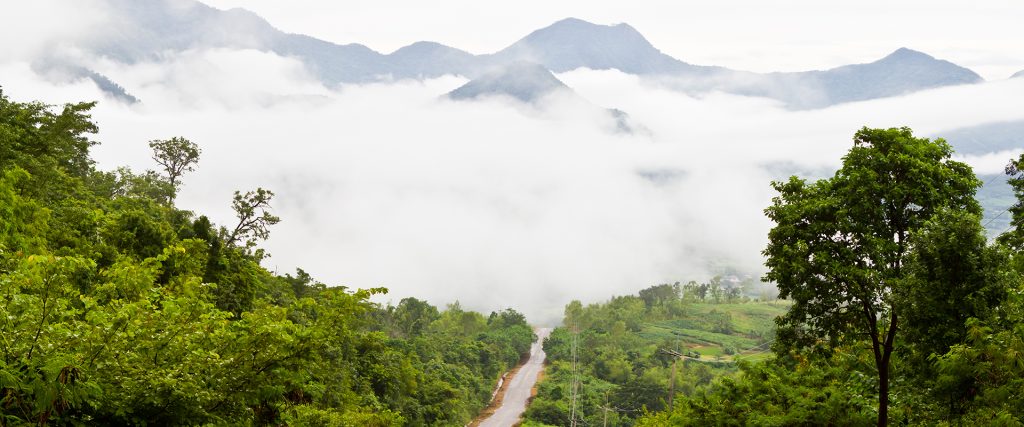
{"x": 720, "y": 332}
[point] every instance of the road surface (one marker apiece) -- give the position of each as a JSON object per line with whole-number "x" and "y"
{"x": 518, "y": 391}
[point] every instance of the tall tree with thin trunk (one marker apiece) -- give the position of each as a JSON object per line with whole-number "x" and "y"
{"x": 839, "y": 245}
{"x": 177, "y": 156}
{"x": 254, "y": 218}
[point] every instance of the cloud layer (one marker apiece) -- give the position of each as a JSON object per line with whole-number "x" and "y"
{"x": 493, "y": 203}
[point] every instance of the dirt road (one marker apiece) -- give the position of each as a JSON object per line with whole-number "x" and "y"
{"x": 518, "y": 391}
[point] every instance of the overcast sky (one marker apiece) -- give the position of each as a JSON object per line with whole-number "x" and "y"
{"x": 788, "y": 35}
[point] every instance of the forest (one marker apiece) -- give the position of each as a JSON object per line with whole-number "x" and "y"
{"x": 118, "y": 308}
{"x": 899, "y": 310}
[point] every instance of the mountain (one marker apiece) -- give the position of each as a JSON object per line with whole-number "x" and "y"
{"x": 986, "y": 138}
{"x": 146, "y": 30}
{"x": 428, "y": 59}
{"x": 63, "y": 72}
{"x": 901, "y": 72}
{"x": 150, "y": 30}
{"x": 525, "y": 81}
{"x": 529, "y": 83}
{"x": 1017, "y": 75}
{"x": 573, "y": 43}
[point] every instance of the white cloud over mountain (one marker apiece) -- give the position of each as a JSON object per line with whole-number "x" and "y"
{"x": 491, "y": 202}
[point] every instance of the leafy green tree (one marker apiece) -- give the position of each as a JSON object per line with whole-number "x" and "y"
{"x": 176, "y": 156}
{"x": 840, "y": 245}
{"x": 983, "y": 376}
{"x": 51, "y": 146}
{"x": 254, "y": 217}
{"x": 824, "y": 392}
{"x": 412, "y": 316}
{"x": 1014, "y": 237}
{"x": 22, "y": 221}
{"x": 954, "y": 276}
{"x": 660, "y": 294}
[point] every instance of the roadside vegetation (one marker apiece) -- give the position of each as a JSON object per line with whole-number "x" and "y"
{"x": 117, "y": 308}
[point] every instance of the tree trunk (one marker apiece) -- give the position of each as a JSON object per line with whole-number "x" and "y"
{"x": 883, "y": 394}
{"x": 883, "y": 370}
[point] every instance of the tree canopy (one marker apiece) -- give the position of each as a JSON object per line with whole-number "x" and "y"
{"x": 117, "y": 308}
{"x": 840, "y": 245}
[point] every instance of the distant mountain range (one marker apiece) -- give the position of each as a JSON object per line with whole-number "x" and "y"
{"x": 148, "y": 30}
{"x": 986, "y": 138}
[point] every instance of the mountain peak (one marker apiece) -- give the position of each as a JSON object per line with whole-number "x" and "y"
{"x": 423, "y": 48}
{"x": 573, "y": 43}
{"x": 579, "y": 31}
{"x": 905, "y": 54}
{"x": 576, "y": 24}
{"x": 525, "y": 81}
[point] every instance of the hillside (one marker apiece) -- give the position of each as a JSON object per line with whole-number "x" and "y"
{"x": 624, "y": 348}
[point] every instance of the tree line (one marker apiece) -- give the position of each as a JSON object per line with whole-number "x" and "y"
{"x": 117, "y": 308}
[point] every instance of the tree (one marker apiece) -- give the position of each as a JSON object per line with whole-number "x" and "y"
{"x": 177, "y": 156}
{"x": 1014, "y": 237}
{"x": 839, "y": 245}
{"x": 253, "y": 218}
{"x": 955, "y": 276}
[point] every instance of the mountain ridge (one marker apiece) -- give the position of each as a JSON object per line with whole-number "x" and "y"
{"x": 145, "y": 31}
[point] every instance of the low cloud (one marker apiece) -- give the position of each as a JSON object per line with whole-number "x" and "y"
{"x": 489, "y": 202}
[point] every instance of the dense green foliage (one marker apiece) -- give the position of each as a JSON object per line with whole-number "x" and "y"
{"x": 892, "y": 246}
{"x": 840, "y": 245}
{"x": 116, "y": 308}
{"x": 622, "y": 350}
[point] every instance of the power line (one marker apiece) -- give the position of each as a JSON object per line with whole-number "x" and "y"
{"x": 1003, "y": 211}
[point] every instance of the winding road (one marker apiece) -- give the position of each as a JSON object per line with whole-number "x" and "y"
{"x": 518, "y": 391}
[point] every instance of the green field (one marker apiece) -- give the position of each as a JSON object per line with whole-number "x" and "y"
{"x": 752, "y": 325}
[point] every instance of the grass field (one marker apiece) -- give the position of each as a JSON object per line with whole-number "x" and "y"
{"x": 751, "y": 323}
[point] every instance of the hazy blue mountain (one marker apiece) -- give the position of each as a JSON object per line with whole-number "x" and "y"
{"x": 149, "y": 30}
{"x": 901, "y": 72}
{"x": 573, "y": 43}
{"x": 525, "y": 81}
{"x": 986, "y": 138}
{"x": 429, "y": 59}
{"x": 1017, "y": 75}
{"x": 145, "y": 30}
{"x": 109, "y": 87}
{"x": 66, "y": 73}
{"x": 529, "y": 83}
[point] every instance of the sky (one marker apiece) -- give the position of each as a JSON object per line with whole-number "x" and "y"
{"x": 499, "y": 204}
{"x": 754, "y": 35}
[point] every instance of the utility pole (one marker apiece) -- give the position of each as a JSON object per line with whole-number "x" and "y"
{"x": 672, "y": 385}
